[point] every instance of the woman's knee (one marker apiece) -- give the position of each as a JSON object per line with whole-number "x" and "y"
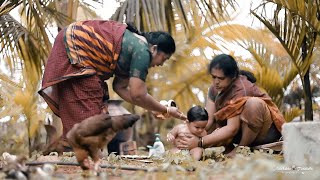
{"x": 255, "y": 102}
{"x": 254, "y": 114}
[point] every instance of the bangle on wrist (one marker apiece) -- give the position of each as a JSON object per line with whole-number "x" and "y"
{"x": 167, "y": 114}
{"x": 200, "y": 142}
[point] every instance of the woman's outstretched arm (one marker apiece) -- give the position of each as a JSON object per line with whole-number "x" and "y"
{"x": 219, "y": 136}
{"x": 211, "y": 109}
{"x": 134, "y": 90}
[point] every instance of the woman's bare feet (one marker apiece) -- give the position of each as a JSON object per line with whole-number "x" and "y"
{"x": 231, "y": 154}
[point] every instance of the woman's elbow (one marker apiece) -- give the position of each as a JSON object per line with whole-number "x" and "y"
{"x": 138, "y": 97}
{"x": 234, "y": 125}
{"x": 233, "y": 131}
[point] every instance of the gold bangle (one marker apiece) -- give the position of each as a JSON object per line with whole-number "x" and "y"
{"x": 167, "y": 113}
{"x": 180, "y": 115}
{"x": 202, "y": 144}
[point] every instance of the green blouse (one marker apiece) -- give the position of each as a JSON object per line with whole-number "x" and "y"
{"x": 135, "y": 57}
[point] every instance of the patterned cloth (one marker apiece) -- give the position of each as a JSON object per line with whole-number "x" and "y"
{"x": 86, "y": 48}
{"x": 73, "y": 83}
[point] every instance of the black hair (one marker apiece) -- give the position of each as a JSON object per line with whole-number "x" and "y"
{"x": 197, "y": 113}
{"x": 163, "y": 40}
{"x": 226, "y": 63}
{"x": 249, "y": 75}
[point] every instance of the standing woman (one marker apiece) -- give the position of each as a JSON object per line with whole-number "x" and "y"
{"x": 239, "y": 112}
{"x": 87, "y": 53}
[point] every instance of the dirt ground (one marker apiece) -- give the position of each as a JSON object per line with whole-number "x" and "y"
{"x": 178, "y": 166}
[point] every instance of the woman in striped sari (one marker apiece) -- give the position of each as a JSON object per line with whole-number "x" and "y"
{"x": 87, "y": 53}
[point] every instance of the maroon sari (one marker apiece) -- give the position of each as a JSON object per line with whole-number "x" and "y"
{"x": 73, "y": 88}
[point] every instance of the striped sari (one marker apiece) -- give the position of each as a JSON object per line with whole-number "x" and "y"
{"x": 83, "y": 55}
{"x": 86, "y": 48}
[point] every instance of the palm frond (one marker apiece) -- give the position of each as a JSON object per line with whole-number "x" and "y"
{"x": 7, "y": 90}
{"x": 308, "y": 10}
{"x": 170, "y": 15}
{"x": 11, "y": 32}
{"x": 294, "y": 32}
{"x": 7, "y": 80}
{"x": 7, "y": 6}
{"x": 271, "y": 81}
{"x": 292, "y": 113}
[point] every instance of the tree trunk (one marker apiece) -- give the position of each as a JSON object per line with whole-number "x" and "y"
{"x": 308, "y": 112}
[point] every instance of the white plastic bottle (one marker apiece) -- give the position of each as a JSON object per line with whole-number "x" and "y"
{"x": 158, "y": 147}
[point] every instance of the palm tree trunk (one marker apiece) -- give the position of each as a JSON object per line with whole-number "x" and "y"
{"x": 308, "y": 112}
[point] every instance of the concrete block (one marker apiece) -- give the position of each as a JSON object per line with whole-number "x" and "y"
{"x": 301, "y": 146}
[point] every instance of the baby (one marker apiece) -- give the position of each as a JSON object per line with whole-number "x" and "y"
{"x": 195, "y": 125}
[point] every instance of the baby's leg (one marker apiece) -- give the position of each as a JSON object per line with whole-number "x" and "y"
{"x": 196, "y": 153}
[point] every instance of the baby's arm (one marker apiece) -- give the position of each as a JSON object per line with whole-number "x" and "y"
{"x": 173, "y": 134}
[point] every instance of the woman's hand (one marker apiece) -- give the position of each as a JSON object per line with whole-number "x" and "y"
{"x": 174, "y": 112}
{"x": 187, "y": 142}
{"x": 171, "y": 112}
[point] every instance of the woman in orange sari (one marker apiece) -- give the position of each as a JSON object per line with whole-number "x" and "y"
{"x": 239, "y": 112}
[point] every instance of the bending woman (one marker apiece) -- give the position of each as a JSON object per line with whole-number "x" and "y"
{"x": 239, "y": 112}
{"x": 87, "y": 53}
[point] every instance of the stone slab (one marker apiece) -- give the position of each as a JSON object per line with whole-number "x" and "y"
{"x": 301, "y": 146}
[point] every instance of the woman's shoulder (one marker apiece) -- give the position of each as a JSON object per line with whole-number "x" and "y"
{"x": 134, "y": 40}
{"x": 106, "y": 27}
{"x": 242, "y": 84}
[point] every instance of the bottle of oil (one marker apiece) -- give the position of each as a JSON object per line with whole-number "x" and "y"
{"x": 158, "y": 147}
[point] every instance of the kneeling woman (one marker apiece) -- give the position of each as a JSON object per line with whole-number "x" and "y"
{"x": 239, "y": 112}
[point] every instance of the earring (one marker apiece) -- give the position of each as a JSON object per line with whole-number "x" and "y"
{"x": 154, "y": 48}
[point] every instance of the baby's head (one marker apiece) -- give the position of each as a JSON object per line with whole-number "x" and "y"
{"x": 197, "y": 120}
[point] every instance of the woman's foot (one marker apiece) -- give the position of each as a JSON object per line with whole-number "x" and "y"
{"x": 231, "y": 154}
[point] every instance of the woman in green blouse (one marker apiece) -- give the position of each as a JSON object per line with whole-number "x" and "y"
{"x": 87, "y": 53}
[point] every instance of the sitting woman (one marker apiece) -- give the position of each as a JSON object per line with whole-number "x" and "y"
{"x": 239, "y": 112}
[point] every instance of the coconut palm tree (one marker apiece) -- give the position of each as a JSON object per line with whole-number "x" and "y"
{"x": 24, "y": 48}
{"x": 296, "y": 25}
